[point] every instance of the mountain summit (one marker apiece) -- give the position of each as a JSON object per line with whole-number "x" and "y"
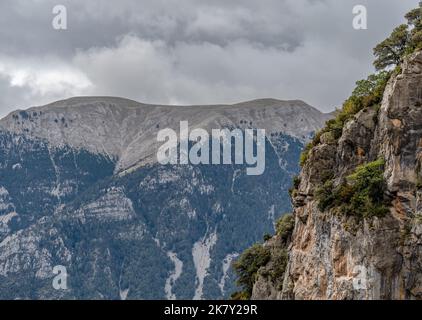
{"x": 126, "y": 130}
{"x": 81, "y": 188}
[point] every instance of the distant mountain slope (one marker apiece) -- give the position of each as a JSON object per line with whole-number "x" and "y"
{"x": 154, "y": 231}
{"x": 126, "y": 130}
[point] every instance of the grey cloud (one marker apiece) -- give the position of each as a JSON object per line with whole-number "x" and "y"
{"x": 26, "y": 25}
{"x": 190, "y": 51}
{"x": 11, "y": 97}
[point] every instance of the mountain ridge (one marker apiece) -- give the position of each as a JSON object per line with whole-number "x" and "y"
{"x": 127, "y": 130}
{"x": 135, "y": 103}
{"x": 80, "y": 187}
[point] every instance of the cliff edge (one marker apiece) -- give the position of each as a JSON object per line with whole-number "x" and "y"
{"x": 358, "y": 205}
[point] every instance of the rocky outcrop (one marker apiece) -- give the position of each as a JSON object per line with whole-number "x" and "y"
{"x": 269, "y": 279}
{"x": 334, "y": 256}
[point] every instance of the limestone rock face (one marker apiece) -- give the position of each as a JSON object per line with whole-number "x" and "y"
{"x": 335, "y": 257}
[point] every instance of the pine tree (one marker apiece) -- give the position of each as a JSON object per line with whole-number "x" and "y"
{"x": 391, "y": 50}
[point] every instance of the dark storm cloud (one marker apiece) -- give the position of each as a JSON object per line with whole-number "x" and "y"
{"x": 189, "y": 51}
{"x": 26, "y": 25}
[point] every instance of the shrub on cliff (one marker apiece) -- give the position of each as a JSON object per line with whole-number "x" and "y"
{"x": 367, "y": 93}
{"x": 246, "y": 268}
{"x": 278, "y": 269}
{"x": 295, "y": 187}
{"x": 362, "y": 194}
{"x": 404, "y": 40}
{"x": 285, "y": 225}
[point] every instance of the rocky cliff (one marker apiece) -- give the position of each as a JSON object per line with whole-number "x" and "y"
{"x": 375, "y": 252}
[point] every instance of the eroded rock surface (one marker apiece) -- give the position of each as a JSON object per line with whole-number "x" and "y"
{"x": 333, "y": 256}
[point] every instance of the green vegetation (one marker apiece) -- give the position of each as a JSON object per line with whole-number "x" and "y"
{"x": 327, "y": 196}
{"x": 367, "y": 94}
{"x": 247, "y": 267}
{"x": 267, "y": 237}
{"x": 418, "y": 218}
{"x": 361, "y": 195}
{"x": 258, "y": 256}
{"x": 295, "y": 187}
{"x": 305, "y": 154}
{"x": 285, "y": 225}
{"x": 279, "y": 267}
{"x": 414, "y": 20}
{"x": 296, "y": 182}
{"x": 391, "y": 50}
{"x": 404, "y": 40}
{"x": 240, "y": 295}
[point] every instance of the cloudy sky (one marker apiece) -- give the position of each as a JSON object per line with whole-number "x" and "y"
{"x": 189, "y": 51}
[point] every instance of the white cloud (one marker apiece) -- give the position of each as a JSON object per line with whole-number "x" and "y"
{"x": 189, "y": 51}
{"x": 155, "y": 72}
{"x": 43, "y": 79}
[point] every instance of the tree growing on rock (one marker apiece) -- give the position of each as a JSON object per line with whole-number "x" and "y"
{"x": 391, "y": 50}
{"x": 404, "y": 40}
{"x": 414, "y": 19}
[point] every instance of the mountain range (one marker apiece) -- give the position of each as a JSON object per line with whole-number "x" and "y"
{"x": 80, "y": 187}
